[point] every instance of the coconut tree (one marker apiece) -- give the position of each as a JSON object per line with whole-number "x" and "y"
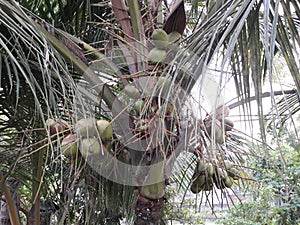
{"x": 68, "y": 66}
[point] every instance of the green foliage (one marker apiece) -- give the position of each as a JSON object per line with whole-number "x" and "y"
{"x": 251, "y": 212}
{"x": 277, "y": 200}
{"x": 281, "y": 174}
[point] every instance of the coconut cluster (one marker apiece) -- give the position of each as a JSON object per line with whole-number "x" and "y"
{"x": 218, "y": 127}
{"x": 216, "y": 169}
{"x": 60, "y": 129}
{"x": 161, "y": 41}
{"x": 94, "y": 135}
{"x": 221, "y": 173}
{"x": 150, "y": 112}
{"x": 89, "y": 136}
{"x": 144, "y": 109}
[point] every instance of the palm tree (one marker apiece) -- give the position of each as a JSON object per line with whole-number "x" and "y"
{"x": 72, "y": 60}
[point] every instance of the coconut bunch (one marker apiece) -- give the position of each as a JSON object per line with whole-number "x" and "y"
{"x": 162, "y": 42}
{"x": 94, "y": 135}
{"x": 88, "y": 136}
{"x": 219, "y": 173}
{"x": 216, "y": 168}
{"x": 149, "y": 116}
{"x": 145, "y": 109}
{"x": 154, "y": 115}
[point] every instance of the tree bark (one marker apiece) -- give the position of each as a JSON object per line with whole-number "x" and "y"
{"x": 4, "y": 214}
{"x": 148, "y": 212}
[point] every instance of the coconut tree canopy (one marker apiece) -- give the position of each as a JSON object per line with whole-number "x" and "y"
{"x": 134, "y": 64}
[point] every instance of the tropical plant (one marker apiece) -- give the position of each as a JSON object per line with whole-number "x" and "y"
{"x": 134, "y": 64}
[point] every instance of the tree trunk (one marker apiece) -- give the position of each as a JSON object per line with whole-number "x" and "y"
{"x": 148, "y": 212}
{"x": 4, "y": 214}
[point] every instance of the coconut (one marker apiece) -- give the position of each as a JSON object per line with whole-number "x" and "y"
{"x": 90, "y": 146}
{"x": 69, "y": 145}
{"x": 153, "y": 191}
{"x": 201, "y": 166}
{"x": 228, "y": 181}
{"x": 220, "y": 173}
{"x": 208, "y": 186}
{"x": 171, "y": 112}
{"x": 51, "y": 126}
{"x": 174, "y": 36}
{"x": 125, "y": 156}
{"x": 131, "y": 92}
{"x": 86, "y": 127}
{"x": 210, "y": 169}
{"x": 198, "y": 184}
{"x": 228, "y": 124}
{"x": 234, "y": 173}
{"x": 156, "y": 56}
{"x": 107, "y": 145}
{"x": 160, "y": 38}
{"x": 219, "y": 134}
{"x": 219, "y": 182}
{"x": 147, "y": 85}
{"x": 222, "y": 111}
{"x": 167, "y": 112}
{"x": 105, "y": 130}
{"x": 56, "y": 126}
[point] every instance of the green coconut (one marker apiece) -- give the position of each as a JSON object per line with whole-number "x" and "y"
{"x": 174, "y": 36}
{"x": 228, "y": 164}
{"x": 228, "y": 124}
{"x": 160, "y": 38}
{"x": 208, "y": 186}
{"x": 210, "y": 169}
{"x": 219, "y": 134}
{"x": 220, "y": 173}
{"x": 228, "y": 181}
{"x": 201, "y": 166}
{"x": 107, "y": 145}
{"x": 105, "y": 130}
{"x": 125, "y": 157}
{"x": 86, "y": 127}
{"x": 156, "y": 56}
{"x": 69, "y": 145}
{"x": 163, "y": 87}
{"x": 90, "y": 146}
{"x": 153, "y": 191}
{"x": 234, "y": 173}
{"x": 198, "y": 184}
